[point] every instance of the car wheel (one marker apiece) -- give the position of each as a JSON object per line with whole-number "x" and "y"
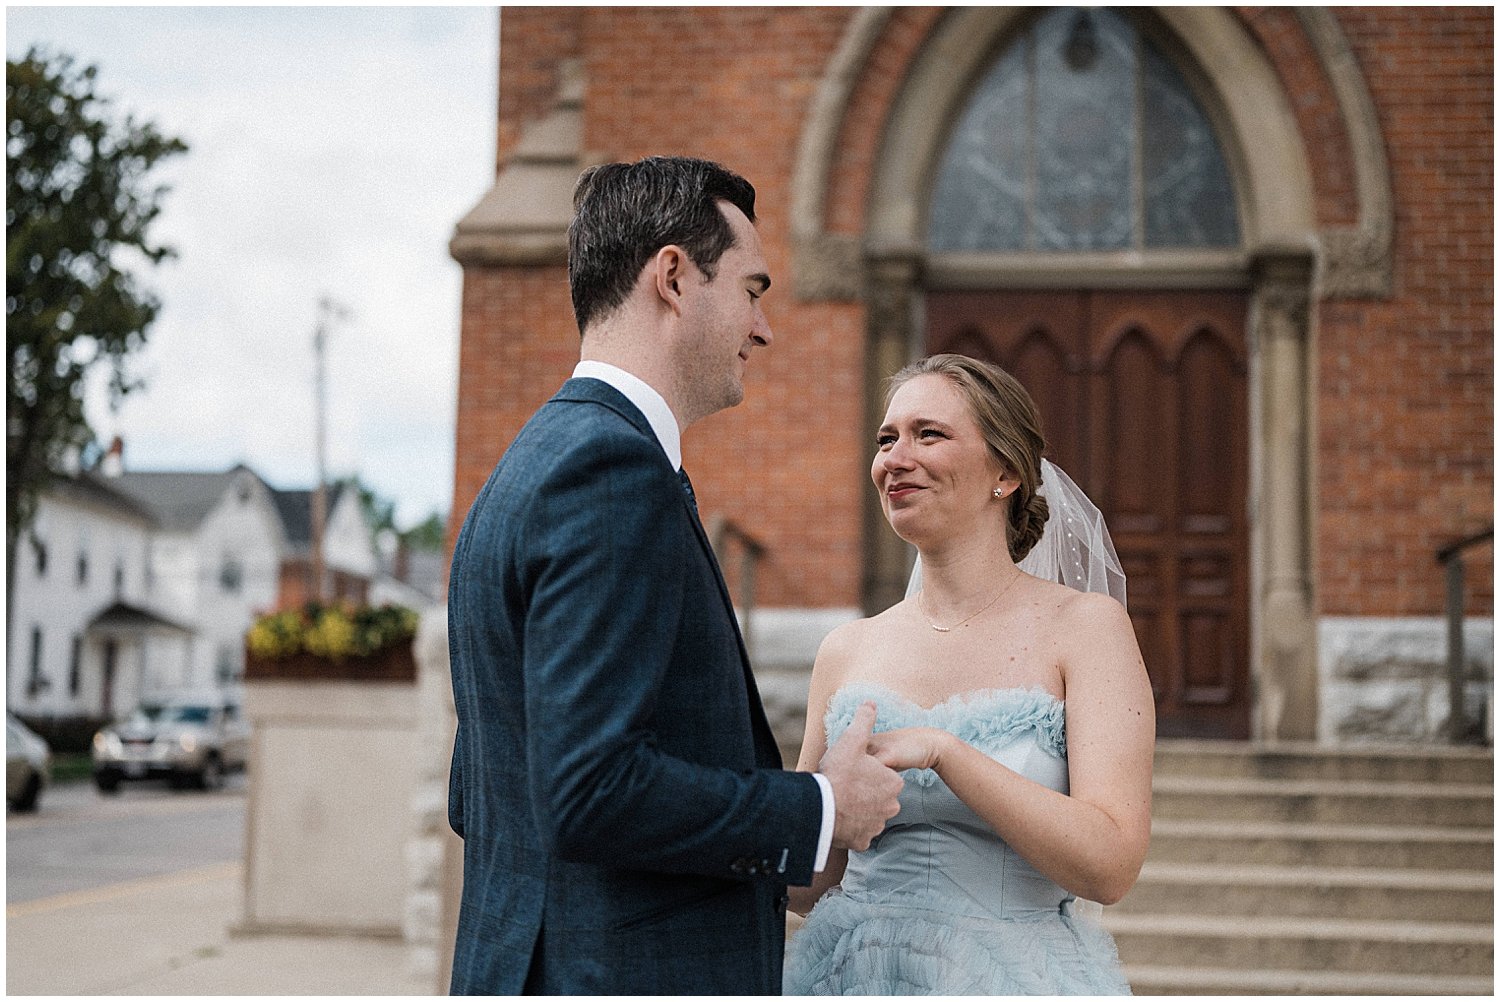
{"x": 107, "y": 782}
{"x": 27, "y": 800}
{"x": 212, "y": 776}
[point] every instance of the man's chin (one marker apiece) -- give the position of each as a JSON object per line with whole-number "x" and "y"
{"x": 733, "y": 396}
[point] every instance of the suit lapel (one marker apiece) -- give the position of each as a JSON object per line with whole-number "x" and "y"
{"x": 599, "y": 392}
{"x": 764, "y": 737}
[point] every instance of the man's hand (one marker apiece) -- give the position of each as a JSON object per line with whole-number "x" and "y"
{"x": 865, "y": 793}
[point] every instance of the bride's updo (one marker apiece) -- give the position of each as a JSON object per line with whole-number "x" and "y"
{"x": 1008, "y": 420}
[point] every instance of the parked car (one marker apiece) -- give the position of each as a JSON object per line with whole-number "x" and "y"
{"x": 28, "y": 765}
{"x": 189, "y": 740}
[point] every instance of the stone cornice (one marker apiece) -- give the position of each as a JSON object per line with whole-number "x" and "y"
{"x": 523, "y": 219}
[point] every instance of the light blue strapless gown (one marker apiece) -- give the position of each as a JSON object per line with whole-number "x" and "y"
{"x": 939, "y": 904}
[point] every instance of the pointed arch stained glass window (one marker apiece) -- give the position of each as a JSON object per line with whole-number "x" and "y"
{"x": 1082, "y": 136}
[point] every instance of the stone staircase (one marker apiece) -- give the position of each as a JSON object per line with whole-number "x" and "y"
{"x": 1297, "y": 870}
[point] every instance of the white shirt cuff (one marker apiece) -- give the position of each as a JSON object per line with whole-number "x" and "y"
{"x": 825, "y": 835}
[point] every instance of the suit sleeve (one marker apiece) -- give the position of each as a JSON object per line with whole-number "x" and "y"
{"x": 606, "y": 595}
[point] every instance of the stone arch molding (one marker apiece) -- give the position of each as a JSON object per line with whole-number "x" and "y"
{"x": 1245, "y": 98}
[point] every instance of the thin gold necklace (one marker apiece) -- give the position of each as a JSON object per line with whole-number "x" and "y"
{"x": 921, "y": 604}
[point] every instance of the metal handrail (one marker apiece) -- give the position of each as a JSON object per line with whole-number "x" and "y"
{"x": 1451, "y": 557}
{"x": 722, "y": 532}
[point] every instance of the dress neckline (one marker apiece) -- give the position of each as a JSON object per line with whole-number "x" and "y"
{"x": 965, "y": 698}
{"x": 985, "y": 718}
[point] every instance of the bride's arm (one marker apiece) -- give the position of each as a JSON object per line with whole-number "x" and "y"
{"x": 1092, "y": 840}
{"x": 828, "y": 670}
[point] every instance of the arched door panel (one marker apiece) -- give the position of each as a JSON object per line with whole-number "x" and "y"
{"x": 1143, "y": 400}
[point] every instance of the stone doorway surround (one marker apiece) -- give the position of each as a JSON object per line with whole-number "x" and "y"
{"x": 1285, "y": 260}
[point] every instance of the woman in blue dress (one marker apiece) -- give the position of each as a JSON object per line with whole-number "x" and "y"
{"x": 1010, "y": 691}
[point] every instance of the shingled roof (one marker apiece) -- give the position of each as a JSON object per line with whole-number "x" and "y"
{"x": 178, "y": 501}
{"x": 95, "y": 491}
{"x": 295, "y": 509}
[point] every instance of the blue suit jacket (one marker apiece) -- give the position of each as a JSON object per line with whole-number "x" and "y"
{"x": 627, "y": 826}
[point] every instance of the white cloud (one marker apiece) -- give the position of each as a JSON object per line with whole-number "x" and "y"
{"x": 332, "y": 150}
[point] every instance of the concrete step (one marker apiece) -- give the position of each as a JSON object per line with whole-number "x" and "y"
{"x": 1149, "y": 980}
{"x": 1323, "y": 801}
{"x": 1440, "y": 764}
{"x": 1285, "y": 843}
{"x": 1300, "y": 944}
{"x": 1289, "y": 891}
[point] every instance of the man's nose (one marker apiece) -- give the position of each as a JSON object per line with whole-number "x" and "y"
{"x": 762, "y": 335}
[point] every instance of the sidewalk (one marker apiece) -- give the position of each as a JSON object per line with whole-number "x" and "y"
{"x": 171, "y": 936}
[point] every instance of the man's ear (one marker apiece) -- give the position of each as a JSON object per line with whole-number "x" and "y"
{"x": 669, "y": 268}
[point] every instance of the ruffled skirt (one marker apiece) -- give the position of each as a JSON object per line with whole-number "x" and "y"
{"x": 848, "y": 947}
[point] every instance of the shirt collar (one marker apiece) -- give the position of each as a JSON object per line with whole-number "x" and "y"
{"x": 647, "y": 401}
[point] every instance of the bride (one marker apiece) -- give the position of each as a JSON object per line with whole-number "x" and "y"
{"x": 1018, "y": 705}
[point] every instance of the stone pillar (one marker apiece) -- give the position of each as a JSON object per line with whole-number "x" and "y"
{"x": 891, "y": 323}
{"x": 1285, "y": 644}
{"x": 428, "y": 935}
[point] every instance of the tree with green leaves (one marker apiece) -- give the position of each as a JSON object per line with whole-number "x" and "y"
{"x": 78, "y": 208}
{"x": 429, "y": 534}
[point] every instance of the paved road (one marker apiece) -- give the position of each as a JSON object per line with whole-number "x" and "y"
{"x": 81, "y": 839}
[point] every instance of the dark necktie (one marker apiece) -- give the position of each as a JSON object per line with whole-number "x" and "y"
{"x": 687, "y": 487}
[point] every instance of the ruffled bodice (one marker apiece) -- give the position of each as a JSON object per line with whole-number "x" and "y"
{"x": 939, "y": 904}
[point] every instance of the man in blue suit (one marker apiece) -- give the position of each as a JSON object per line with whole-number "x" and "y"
{"x": 627, "y": 826}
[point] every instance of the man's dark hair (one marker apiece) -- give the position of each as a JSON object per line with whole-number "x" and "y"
{"x": 624, "y": 213}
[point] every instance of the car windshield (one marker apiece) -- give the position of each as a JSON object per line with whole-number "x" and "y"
{"x": 147, "y": 714}
{"x": 184, "y": 715}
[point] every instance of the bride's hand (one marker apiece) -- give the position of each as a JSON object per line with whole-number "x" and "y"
{"x": 909, "y": 747}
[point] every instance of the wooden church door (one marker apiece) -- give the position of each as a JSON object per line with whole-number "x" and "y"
{"x": 1143, "y": 401}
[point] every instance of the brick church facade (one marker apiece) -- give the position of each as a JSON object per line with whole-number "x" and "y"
{"x": 1243, "y": 257}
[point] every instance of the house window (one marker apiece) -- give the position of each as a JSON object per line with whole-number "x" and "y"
{"x": 36, "y": 682}
{"x": 231, "y": 574}
{"x": 75, "y": 667}
{"x": 1082, "y": 136}
{"x": 224, "y": 665}
{"x": 39, "y": 549}
{"x": 119, "y": 578}
{"x": 83, "y": 568}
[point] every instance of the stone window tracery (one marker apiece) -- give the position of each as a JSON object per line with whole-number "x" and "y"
{"x": 1082, "y": 136}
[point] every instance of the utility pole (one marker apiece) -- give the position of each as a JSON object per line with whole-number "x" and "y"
{"x": 328, "y": 312}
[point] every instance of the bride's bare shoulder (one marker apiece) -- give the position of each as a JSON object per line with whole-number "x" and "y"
{"x": 1085, "y": 607}
{"x": 1095, "y": 629}
{"x": 849, "y": 640}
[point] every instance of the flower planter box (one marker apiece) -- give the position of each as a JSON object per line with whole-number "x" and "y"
{"x": 394, "y": 665}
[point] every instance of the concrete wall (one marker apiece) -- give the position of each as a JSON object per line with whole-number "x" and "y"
{"x": 333, "y": 771}
{"x": 1385, "y": 679}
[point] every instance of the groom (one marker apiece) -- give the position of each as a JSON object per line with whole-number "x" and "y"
{"x": 627, "y": 826}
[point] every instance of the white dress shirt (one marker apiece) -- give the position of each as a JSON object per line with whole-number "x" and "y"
{"x": 664, "y": 423}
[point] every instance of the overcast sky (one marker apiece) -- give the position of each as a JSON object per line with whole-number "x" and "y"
{"x": 332, "y": 149}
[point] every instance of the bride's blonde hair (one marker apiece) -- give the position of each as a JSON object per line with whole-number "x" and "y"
{"x": 1008, "y": 419}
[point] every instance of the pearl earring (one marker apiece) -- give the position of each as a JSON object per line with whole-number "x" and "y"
{"x": 998, "y": 493}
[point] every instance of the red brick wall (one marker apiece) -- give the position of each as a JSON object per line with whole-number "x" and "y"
{"x": 533, "y": 40}
{"x": 519, "y": 344}
{"x": 1404, "y": 434}
{"x": 1406, "y": 420}
{"x": 786, "y": 465}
